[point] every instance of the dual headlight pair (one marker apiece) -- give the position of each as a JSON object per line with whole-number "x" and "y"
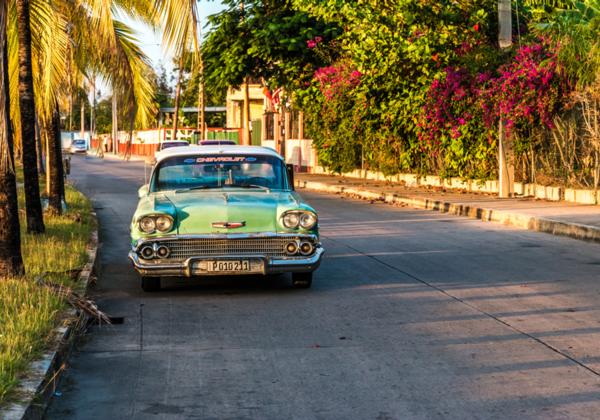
{"x": 151, "y": 224}
{"x": 299, "y": 218}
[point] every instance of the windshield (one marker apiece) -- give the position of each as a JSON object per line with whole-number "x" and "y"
{"x": 208, "y": 172}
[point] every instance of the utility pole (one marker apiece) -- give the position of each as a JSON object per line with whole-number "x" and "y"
{"x": 201, "y": 102}
{"x": 177, "y": 95}
{"x": 506, "y": 168}
{"x": 247, "y": 135}
{"x": 246, "y": 111}
{"x": 201, "y": 85}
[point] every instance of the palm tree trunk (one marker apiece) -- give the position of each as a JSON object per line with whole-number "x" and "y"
{"x": 11, "y": 262}
{"x": 70, "y": 83}
{"x": 33, "y": 205}
{"x": 201, "y": 102}
{"x": 55, "y": 166}
{"x": 177, "y": 95}
{"x": 130, "y": 136}
{"x": 70, "y": 109}
{"x": 40, "y": 146}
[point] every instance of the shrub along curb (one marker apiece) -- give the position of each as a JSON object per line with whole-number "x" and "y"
{"x": 539, "y": 224}
{"x": 44, "y": 374}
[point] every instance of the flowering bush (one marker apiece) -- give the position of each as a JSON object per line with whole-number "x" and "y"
{"x": 526, "y": 90}
{"x": 432, "y": 87}
{"x": 336, "y": 80}
{"x": 462, "y": 110}
{"x": 330, "y": 104}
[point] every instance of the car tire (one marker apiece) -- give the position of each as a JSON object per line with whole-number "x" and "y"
{"x": 302, "y": 280}
{"x": 150, "y": 284}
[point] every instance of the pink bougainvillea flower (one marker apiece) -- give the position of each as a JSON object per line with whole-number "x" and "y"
{"x": 311, "y": 44}
{"x": 336, "y": 80}
{"x": 318, "y": 39}
{"x": 455, "y": 133}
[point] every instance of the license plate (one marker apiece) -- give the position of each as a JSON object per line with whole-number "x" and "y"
{"x": 229, "y": 265}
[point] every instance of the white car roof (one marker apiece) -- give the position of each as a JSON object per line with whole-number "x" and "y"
{"x": 223, "y": 149}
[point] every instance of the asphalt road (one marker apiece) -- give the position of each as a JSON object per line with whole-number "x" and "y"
{"x": 413, "y": 314}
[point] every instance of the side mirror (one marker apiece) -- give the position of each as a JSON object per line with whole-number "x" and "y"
{"x": 143, "y": 191}
{"x": 290, "y": 173}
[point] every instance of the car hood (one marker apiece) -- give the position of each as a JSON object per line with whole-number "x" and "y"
{"x": 257, "y": 210}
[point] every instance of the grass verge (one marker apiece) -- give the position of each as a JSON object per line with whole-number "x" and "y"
{"x": 29, "y": 312}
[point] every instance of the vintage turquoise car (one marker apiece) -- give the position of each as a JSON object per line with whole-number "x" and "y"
{"x": 220, "y": 211}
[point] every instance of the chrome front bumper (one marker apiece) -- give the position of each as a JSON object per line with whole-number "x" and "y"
{"x": 186, "y": 268}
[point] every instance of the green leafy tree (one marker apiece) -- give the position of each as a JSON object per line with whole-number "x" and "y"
{"x": 265, "y": 40}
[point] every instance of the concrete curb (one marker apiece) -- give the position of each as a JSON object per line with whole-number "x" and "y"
{"x": 539, "y": 224}
{"x": 44, "y": 374}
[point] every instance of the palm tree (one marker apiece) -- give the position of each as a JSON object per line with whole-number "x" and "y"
{"x": 11, "y": 262}
{"x": 180, "y": 22}
{"x": 71, "y": 41}
{"x": 33, "y": 205}
{"x": 51, "y": 54}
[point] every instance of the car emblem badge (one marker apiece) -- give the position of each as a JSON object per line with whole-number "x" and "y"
{"x": 228, "y": 225}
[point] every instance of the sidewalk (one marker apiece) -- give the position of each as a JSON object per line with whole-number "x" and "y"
{"x": 559, "y": 218}
{"x": 112, "y": 156}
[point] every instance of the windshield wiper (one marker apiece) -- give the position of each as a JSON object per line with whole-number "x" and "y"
{"x": 199, "y": 187}
{"x": 248, "y": 186}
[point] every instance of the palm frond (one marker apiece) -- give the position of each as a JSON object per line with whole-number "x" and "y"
{"x": 180, "y": 23}
{"x": 49, "y": 51}
{"x": 135, "y": 69}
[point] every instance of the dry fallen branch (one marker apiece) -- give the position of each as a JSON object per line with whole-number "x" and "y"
{"x": 76, "y": 300}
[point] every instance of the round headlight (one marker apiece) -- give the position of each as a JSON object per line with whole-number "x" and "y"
{"x": 291, "y": 220}
{"x": 147, "y": 252}
{"x": 164, "y": 223}
{"x": 147, "y": 225}
{"x": 291, "y": 248}
{"x": 306, "y": 248}
{"x": 308, "y": 220}
{"x": 163, "y": 252}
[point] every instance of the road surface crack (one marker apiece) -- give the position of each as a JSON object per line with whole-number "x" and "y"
{"x": 470, "y": 305}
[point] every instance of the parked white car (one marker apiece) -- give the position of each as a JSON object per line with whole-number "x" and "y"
{"x": 78, "y": 146}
